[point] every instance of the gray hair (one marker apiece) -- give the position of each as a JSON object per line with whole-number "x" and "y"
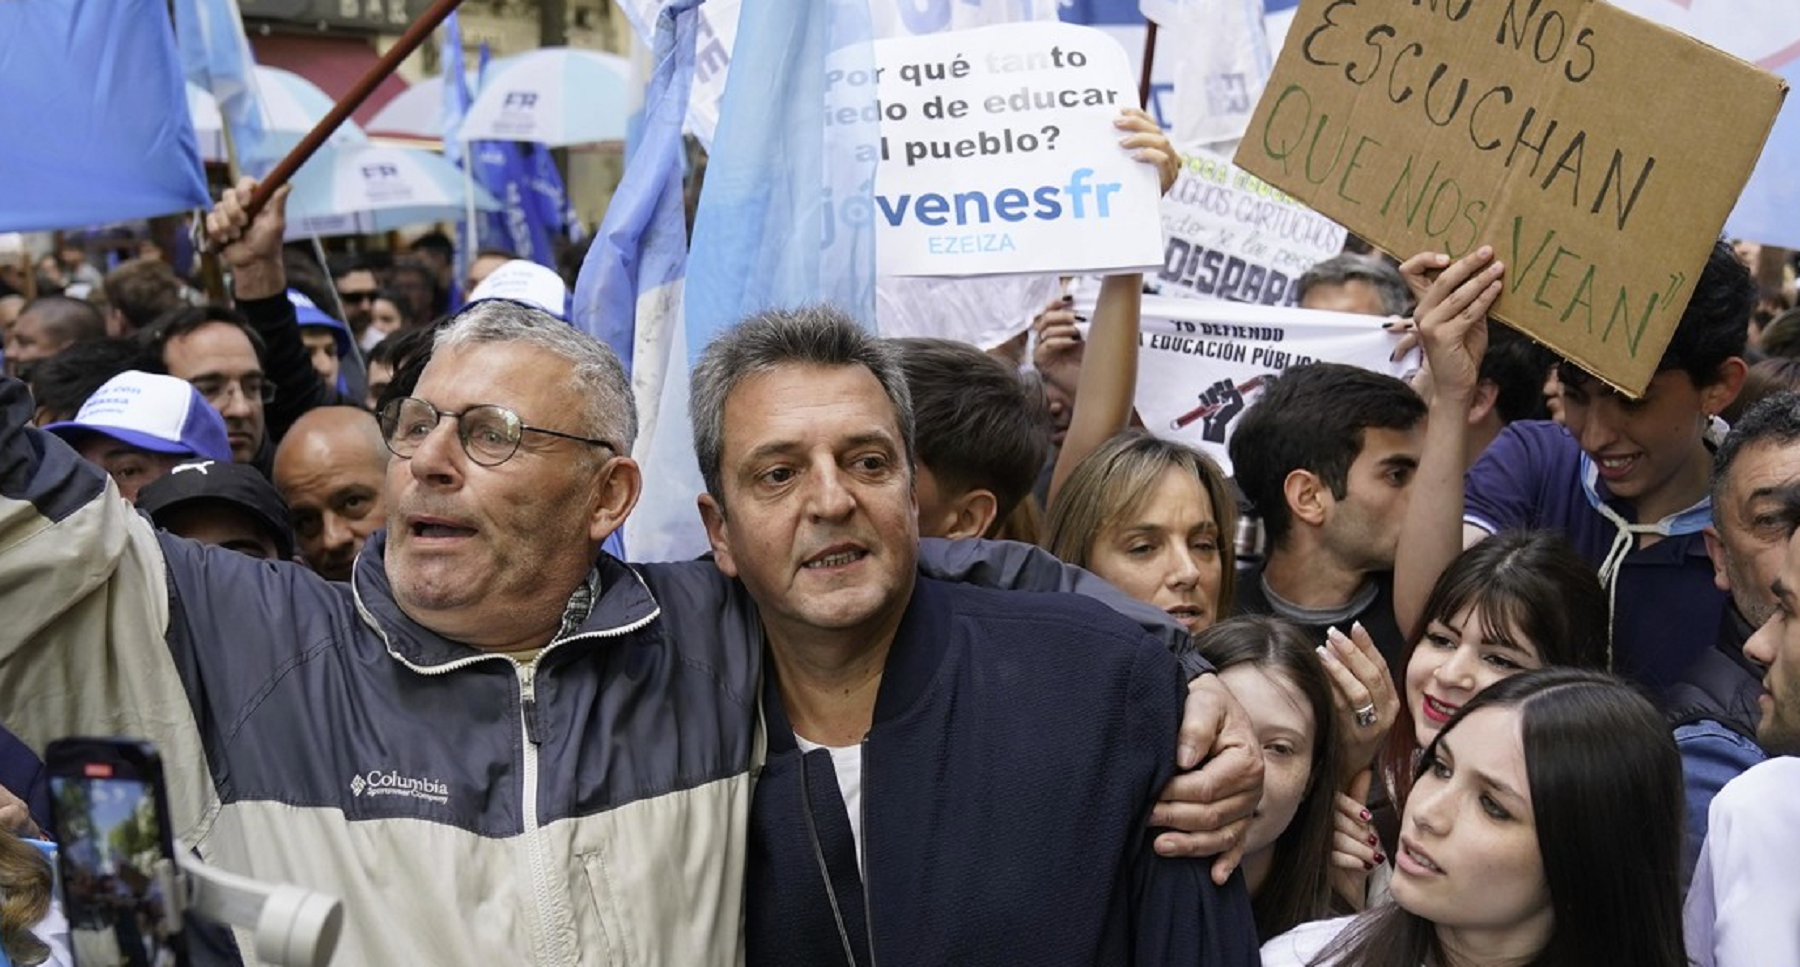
{"x": 598, "y": 377}
{"x": 1396, "y": 299}
{"x": 1775, "y": 420}
{"x": 809, "y": 336}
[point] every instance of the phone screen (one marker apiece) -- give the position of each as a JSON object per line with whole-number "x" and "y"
{"x": 111, "y": 844}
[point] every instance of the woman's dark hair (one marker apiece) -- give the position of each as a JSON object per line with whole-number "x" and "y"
{"x": 1606, "y": 799}
{"x": 1532, "y": 581}
{"x": 1298, "y": 889}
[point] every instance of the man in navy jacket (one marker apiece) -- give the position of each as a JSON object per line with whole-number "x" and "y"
{"x": 955, "y": 775}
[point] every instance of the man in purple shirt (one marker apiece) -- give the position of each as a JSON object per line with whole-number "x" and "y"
{"x": 1625, "y": 480}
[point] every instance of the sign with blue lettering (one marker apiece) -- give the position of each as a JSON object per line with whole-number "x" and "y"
{"x": 998, "y": 154}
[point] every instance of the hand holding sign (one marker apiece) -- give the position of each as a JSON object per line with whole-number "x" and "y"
{"x": 1452, "y": 318}
{"x": 1150, "y": 145}
{"x": 1446, "y": 126}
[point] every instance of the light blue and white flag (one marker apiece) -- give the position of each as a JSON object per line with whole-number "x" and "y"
{"x": 94, "y": 113}
{"x": 1124, "y": 20}
{"x": 784, "y": 220}
{"x": 456, "y": 89}
{"x": 216, "y": 56}
{"x": 1224, "y": 62}
{"x": 629, "y": 291}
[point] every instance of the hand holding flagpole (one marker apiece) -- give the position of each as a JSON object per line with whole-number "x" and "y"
{"x": 410, "y": 41}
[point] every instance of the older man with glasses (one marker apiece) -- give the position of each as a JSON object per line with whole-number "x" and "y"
{"x": 495, "y": 743}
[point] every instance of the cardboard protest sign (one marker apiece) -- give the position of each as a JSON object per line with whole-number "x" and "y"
{"x": 1596, "y": 152}
{"x": 1228, "y": 234}
{"x": 998, "y": 154}
{"x": 1201, "y": 364}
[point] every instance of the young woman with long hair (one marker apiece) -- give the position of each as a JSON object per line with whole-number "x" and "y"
{"x": 1271, "y": 668}
{"x": 1517, "y": 601}
{"x": 1543, "y": 829}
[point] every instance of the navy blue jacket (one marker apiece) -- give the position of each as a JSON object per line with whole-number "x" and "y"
{"x": 1019, "y": 741}
{"x": 22, "y": 774}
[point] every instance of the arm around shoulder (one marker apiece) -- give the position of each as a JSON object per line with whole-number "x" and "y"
{"x": 1179, "y": 915}
{"x": 1012, "y": 566}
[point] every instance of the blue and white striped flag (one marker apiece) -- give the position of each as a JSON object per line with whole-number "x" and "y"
{"x": 216, "y": 57}
{"x": 629, "y": 293}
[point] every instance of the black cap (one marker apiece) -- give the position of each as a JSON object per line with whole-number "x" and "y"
{"x": 217, "y": 480}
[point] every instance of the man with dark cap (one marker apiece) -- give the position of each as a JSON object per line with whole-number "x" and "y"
{"x": 223, "y": 503}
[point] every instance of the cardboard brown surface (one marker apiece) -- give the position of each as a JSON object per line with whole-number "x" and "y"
{"x": 1598, "y": 153}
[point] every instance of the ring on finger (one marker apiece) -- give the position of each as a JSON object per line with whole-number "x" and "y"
{"x": 1366, "y": 716}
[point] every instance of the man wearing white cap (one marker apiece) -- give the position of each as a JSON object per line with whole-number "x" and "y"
{"x": 525, "y": 281}
{"x": 138, "y": 426}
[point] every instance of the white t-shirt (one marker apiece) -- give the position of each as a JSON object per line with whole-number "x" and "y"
{"x": 1743, "y": 909}
{"x": 1299, "y": 946}
{"x": 847, "y": 762}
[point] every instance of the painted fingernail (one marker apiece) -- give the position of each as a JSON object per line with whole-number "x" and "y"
{"x": 1357, "y": 628}
{"x": 1367, "y": 866}
{"x": 1380, "y": 858}
{"x": 1374, "y": 840}
{"x": 1365, "y": 815}
{"x": 1324, "y": 653}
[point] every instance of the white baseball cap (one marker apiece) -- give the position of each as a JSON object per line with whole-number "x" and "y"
{"x": 524, "y": 281}
{"x": 161, "y": 414}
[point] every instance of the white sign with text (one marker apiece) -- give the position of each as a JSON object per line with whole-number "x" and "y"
{"x": 1201, "y": 364}
{"x": 998, "y": 154}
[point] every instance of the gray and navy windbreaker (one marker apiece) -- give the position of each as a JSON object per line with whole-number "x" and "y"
{"x": 589, "y": 808}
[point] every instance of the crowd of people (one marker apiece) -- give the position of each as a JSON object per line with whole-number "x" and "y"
{"x": 1495, "y": 666}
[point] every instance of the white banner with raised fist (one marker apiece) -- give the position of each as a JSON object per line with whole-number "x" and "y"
{"x": 1201, "y": 364}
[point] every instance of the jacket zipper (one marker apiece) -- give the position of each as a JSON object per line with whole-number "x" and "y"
{"x": 538, "y": 862}
{"x": 862, "y": 844}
